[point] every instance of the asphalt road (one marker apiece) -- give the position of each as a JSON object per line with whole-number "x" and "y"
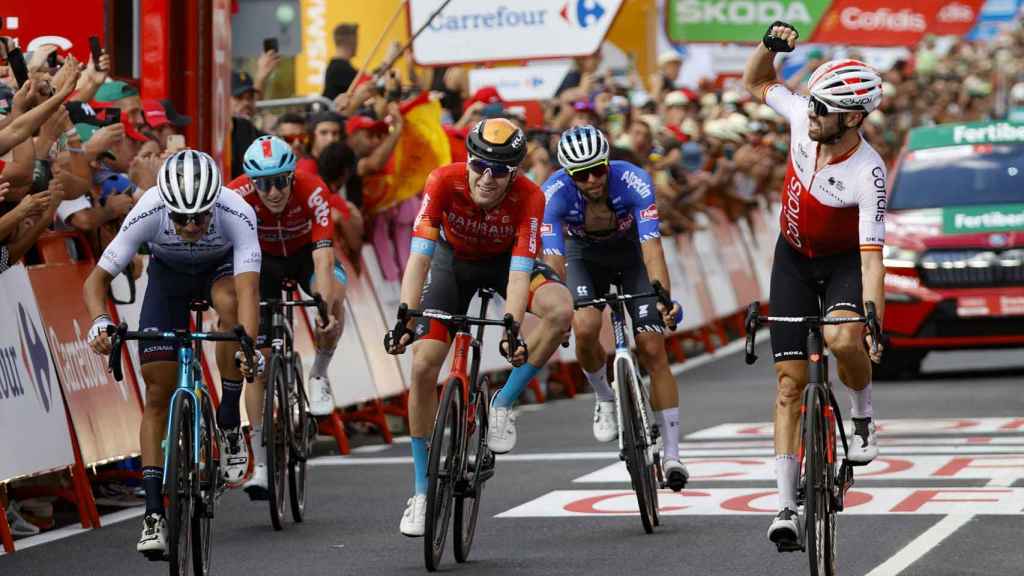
{"x": 561, "y": 504}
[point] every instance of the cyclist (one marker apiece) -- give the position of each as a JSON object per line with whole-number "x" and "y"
{"x": 293, "y": 222}
{"x": 607, "y": 209}
{"x": 832, "y": 230}
{"x": 478, "y": 227}
{"x": 203, "y": 245}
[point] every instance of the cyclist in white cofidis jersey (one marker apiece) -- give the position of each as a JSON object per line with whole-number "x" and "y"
{"x": 203, "y": 245}
{"x": 832, "y": 230}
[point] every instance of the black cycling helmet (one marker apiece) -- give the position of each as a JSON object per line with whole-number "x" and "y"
{"x": 497, "y": 140}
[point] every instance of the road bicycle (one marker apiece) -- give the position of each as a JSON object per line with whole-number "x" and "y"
{"x": 459, "y": 460}
{"x": 638, "y": 433}
{"x": 288, "y": 428}
{"x": 191, "y": 480}
{"x": 822, "y": 489}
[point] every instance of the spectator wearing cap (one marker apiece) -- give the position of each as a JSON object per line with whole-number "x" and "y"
{"x": 486, "y": 101}
{"x": 243, "y": 95}
{"x": 123, "y": 96}
{"x": 243, "y": 131}
{"x": 670, "y": 63}
{"x": 163, "y": 119}
{"x": 340, "y": 73}
{"x": 584, "y": 66}
{"x": 584, "y": 114}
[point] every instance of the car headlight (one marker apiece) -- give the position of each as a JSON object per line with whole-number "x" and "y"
{"x": 896, "y": 257}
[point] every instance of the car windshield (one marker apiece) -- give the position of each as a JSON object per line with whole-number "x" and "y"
{"x": 960, "y": 176}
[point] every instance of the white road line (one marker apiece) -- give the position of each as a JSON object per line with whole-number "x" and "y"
{"x": 920, "y": 546}
{"x": 68, "y": 531}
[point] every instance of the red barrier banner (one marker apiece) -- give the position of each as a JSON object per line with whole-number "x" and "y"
{"x": 734, "y": 257}
{"x": 105, "y": 413}
{"x": 894, "y": 22}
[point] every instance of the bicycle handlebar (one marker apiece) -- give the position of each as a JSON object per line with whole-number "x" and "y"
{"x": 754, "y": 320}
{"x": 317, "y": 300}
{"x": 658, "y": 292}
{"x": 393, "y": 337}
{"x": 120, "y": 334}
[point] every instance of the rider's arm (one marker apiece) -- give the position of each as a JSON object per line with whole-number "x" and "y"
{"x": 551, "y": 232}
{"x": 323, "y": 267}
{"x": 524, "y": 252}
{"x": 239, "y": 223}
{"x": 95, "y": 291}
{"x": 247, "y": 291}
{"x": 871, "y": 200}
{"x": 872, "y": 273}
{"x": 425, "y": 233}
{"x": 760, "y": 72}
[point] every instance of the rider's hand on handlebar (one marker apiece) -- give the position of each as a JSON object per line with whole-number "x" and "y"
{"x": 399, "y": 338}
{"x": 519, "y": 355}
{"x": 251, "y": 372}
{"x": 99, "y": 341}
{"x": 875, "y": 356}
{"x": 670, "y": 316}
{"x": 329, "y": 328}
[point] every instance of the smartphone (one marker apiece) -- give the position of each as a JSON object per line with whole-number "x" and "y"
{"x": 97, "y": 51}
{"x": 175, "y": 142}
{"x": 270, "y": 44}
{"x": 16, "y": 60}
{"x": 82, "y": 113}
{"x": 51, "y": 60}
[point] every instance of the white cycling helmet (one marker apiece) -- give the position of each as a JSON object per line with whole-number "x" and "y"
{"x": 582, "y": 147}
{"x": 846, "y": 86}
{"x": 189, "y": 182}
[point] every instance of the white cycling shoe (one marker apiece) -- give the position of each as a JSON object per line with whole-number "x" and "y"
{"x": 605, "y": 428}
{"x": 321, "y": 401}
{"x": 234, "y": 455}
{"x": 863, "y": 448}
{"x": 153, "y": 541}
{"x": 256, "y": 485}
{"x": 414, "y": 519}
{"x": 501, "y": 433}
{"x": 675, "y": 473}
{"x": 785, "y": 529}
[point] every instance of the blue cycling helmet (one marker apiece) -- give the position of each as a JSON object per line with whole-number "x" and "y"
{"x": 268, "y": 156}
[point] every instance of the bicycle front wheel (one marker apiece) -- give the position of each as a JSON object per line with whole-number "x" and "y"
{"x": 818, "y": 474}
{"x": 202, "y": 515}
{"x": 275, "y": 437}
{"x": 479, "y": 464}
{"x": 634, "y": 448}
{"x": 303, "y": 430}
{"x": 443, "y": 468}
{"x": 179, "y": 487}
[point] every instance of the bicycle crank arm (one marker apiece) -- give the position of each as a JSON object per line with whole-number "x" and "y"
{"x": 844, "y": 480}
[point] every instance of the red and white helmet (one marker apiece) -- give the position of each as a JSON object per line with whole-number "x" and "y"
{"x": 846, "y": 86}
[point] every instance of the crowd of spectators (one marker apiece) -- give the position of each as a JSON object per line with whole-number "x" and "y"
{"x": 82, "y": 165}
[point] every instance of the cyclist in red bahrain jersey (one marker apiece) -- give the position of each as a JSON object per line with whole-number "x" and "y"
{"x": 832, "y": 231}
{"x": 478, "y": 227}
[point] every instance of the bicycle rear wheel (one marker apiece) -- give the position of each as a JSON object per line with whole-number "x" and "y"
{"x": 818, "y": 472}
{"x": 275, "y": 438}
{"x": 202, "y": 515}
{"x": 641, "y": 469}
{"x": 179, "y": 487}
{"x": 479, "y": 467}
{"x": 443, "y": 467}
{"x": 303, "y": 430}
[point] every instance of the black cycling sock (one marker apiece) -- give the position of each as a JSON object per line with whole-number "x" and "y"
{"x": 860, "y": 427}
{"x": 152, "y": 482}
{"x": 228, "y": 415}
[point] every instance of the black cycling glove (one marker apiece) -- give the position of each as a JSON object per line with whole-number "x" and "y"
{"x": 774, "y": 43}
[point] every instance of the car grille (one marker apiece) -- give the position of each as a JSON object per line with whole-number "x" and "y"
{"x": 972, "y": 268}
{"x": 944, "y": 323}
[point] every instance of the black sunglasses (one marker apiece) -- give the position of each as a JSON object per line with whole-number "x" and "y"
{"x": 497, "y": 169}
{"x": 584, "y": 174}
{"x": 817, "y": 106}
{"x": 198, "y": 219}
{"x": 265, "y": 183}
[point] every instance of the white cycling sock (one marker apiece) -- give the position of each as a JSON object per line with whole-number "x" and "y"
{"x": 668, "y": 422}
{"x": 259, "y": 451}
{"x": 599, "y": 382}
{"x": 320, "y": 363}
{"x": 787, "y": 471}
{"x": 860, "y": 403}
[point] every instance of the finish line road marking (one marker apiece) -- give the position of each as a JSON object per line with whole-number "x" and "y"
{"x": 960, "y": 426}
{"x": 746, "y": 501}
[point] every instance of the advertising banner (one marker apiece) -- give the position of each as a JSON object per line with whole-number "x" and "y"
{"x": 737, "y": 20}
{"x": 105, "y": 412}
{"x": 894, "y": 22}
{"x": 33, "y": 429}
{"x": 492, "y": 31}
{"x": 994, "y": 14}
{"x": 521, "y": 82}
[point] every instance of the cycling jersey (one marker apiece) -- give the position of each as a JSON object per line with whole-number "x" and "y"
{"x": 836, "y": 208}
{"x": 449, "y": 212}
{"x": 306, "y": 218}
{"x": 630, "y": 196}
{"x": 232, "y": 228}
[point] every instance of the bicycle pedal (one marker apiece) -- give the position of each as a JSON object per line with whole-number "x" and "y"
{"x": 156, "y": 556}
{"x": 789, "y": 546}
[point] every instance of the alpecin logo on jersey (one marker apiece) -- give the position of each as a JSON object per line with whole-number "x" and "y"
{"x": 636, "y": 183}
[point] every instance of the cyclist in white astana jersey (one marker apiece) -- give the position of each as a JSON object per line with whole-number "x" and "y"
{"x": 832, "y": 227}
{"x": 203, "y": 245}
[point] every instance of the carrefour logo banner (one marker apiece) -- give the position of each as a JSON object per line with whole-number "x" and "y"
{"x": 737, "y": 20}
{"x": 495, "y": 30}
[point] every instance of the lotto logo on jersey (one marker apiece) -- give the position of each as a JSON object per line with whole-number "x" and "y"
{"x": 546, "y": 230}
{"x": 318, "y": 205}
{"x": 649, "y": 214}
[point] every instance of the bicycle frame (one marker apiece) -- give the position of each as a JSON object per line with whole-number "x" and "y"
{"x": 623, "y": 353}
{"x": 190, "y": 383}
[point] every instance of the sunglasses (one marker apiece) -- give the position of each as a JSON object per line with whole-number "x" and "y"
{"x": 296, "y": 138}
{"x": 280, "y": 182}
{"x": 498, "y": 170}
{"x": 817, "y": 106}
{"x": 584, "y": 174}
{"x": 198, "y": 219}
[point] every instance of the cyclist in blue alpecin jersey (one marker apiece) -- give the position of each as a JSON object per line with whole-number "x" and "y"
{"x": 601, "y": 226}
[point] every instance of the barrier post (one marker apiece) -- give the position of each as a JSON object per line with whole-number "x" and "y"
{"x": 5, "y": 533}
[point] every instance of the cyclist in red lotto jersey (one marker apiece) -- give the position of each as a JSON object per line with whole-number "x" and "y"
{"x": 478, "y": 227}
{"x": 293, "y": 214}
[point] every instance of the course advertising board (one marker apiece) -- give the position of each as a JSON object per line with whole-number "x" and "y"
{"x": 493, "y": 30}
{"x": 516, "y": 83}
{"x": 33, "y": 427}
